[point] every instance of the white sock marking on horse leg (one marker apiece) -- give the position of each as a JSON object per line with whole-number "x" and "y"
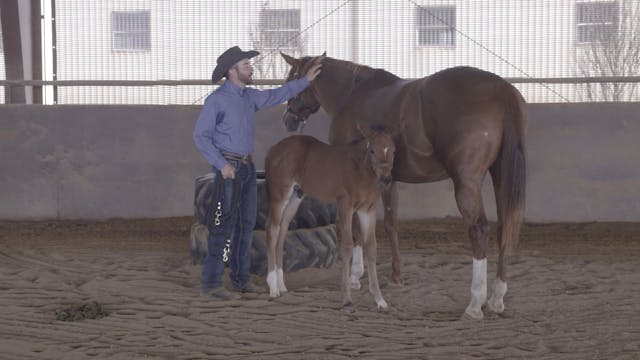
{"x": 272, "y": 281}
{"x": 478, "y": 289}
{"x": 496, "y": 303}
{"x": 357, "y": 268}
{"x": 281, "y": 286}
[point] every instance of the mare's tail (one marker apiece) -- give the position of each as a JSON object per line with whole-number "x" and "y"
{"x": 508, "y": 172}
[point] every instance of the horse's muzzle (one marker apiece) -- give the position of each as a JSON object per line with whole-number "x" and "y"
{"x": 386, "y": 180}
{"x": 291, "y": 121}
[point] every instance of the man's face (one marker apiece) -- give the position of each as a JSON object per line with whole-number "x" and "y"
{"x": 244, "y": 71}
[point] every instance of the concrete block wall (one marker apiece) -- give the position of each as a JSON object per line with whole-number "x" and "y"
{"x": 100, "y": 162}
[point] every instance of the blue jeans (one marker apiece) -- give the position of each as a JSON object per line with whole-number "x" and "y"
{"x": 241, "y": 233}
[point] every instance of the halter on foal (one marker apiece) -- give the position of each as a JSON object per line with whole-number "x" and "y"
{"x": 350, "y": 175}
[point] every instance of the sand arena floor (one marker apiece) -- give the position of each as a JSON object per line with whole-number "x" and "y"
{"x": 574, "y": 293}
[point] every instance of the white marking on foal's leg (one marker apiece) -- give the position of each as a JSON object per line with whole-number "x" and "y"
{"x": 357, "y": 268}
{"x": 478, "y": 289}
{"x": 496, "y": 303}
{"x": 272, "y": 281}
{"x": 281, "y": 286}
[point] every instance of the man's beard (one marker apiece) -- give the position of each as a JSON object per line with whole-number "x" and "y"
{"x": 246, "y": 79}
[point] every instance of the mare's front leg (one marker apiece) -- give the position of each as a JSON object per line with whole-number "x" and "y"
{"x": 345, "y": 214}
{"x": 390, "y": 204}
{"x": 368, "y": 228}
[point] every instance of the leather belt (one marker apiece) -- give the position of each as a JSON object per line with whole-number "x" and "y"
{"x": 245, "y": 159}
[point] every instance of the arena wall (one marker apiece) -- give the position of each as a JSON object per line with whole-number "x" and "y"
{"x": 101, "y": 162}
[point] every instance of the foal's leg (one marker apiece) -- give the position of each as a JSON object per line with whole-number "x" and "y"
{"x": 345, "y": 214}
{"x": 357, "y": 264}
{"x": 390, "y": 203}
{"x": 289, "y": 212}
{"x": 278, "y": 201}
{"x": 368, "y": 228}
{"x": 469, "y": 200}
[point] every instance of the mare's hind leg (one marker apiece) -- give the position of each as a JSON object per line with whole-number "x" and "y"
{"x": 390, "y": 203}
{"x": 469, "y": 200}
{"x": 496, "y": 301}
{"x": 368, "y": 228}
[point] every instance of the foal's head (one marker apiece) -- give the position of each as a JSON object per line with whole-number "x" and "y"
{"x": 301, "y": 106}
{"x": 380, "y": 150}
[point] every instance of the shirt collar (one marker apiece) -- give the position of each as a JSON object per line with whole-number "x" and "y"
{"x": 228, "y": 86}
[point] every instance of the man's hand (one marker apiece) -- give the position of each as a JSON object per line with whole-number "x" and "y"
{"x": 314, "y": 71}
{"x": 228, "y": 172}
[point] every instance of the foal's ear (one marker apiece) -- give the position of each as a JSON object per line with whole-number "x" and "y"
{"x": 364, "y": 129}
{"x": 396, "y": 128}
{"x": 289, "y": 59}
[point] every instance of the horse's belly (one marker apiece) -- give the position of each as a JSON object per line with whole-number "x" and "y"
{"x": 418, "y": 169}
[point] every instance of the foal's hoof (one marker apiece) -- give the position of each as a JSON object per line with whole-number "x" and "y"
{"x": 348, "y": 308}
{"x": 396, "y": 279}
{"x": 355, "y": 284}
{"x": 274, "y": 293}
{"x": 382, "y": 306}
{"x": 473, "y": 314}
{"x": 497, "y": 306}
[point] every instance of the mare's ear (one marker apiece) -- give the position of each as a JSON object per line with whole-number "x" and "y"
{"x": 289, "y": 59}
{"x": 318, "y": 59}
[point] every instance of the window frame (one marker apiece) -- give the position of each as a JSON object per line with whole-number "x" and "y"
{"x": 614, "y": 23}
{"x": 120, "y": 37}
{"x": 437, "y": 29}
{"x": 267, "y": 42}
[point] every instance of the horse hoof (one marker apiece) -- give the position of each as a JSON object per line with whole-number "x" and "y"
{"x": 348, "y": 308}
{"x": 355, "y": 284}
{"x": 274, "y": 293}
{"x": 497, "y": 306}
{"x": 474, "y": 314}
{"x": 382, "y": 306}
{"x": 397, "y": 280}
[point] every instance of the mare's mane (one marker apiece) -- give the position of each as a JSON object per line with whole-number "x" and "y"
{"x": 365, "y": 73}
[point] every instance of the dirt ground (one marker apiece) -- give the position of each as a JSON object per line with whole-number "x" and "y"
{"x": 574, "y": 293}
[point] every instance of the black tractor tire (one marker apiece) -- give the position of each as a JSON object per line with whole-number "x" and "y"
{"x": 310, "y": 241}
{"x": 303, "y": 248}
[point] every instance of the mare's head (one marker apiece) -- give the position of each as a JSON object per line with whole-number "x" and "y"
{"x": 380, "y": 149}
{"x": 301, "y": 106}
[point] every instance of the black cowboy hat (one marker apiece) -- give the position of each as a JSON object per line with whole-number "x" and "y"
{"x": 227, "y": 59}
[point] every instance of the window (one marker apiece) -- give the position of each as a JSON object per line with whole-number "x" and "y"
{"x": 436, "y": 25}
{"x": 131, "y": 30}
{"x": 596, "y": 21}
{"x": 280, "y": 29}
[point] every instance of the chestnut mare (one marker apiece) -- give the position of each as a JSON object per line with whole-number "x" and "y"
{"x": 460, "y": 123}
{"x": 349, "y": 175}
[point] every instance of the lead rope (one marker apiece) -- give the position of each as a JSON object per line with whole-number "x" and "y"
{"x": 219, "y": 217}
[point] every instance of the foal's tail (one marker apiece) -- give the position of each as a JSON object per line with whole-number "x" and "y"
{"x": 509, "y": 172}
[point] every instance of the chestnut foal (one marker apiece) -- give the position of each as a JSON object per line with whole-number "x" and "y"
{"x": 350, "y": 175}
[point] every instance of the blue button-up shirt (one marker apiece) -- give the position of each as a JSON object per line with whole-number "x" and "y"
{"x": 226, "y": 122}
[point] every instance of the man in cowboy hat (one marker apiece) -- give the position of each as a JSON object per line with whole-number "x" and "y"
{"x": 224, "y": 135}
